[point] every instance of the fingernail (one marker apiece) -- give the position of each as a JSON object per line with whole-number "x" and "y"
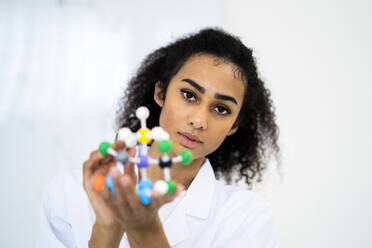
{"x": 114, "y": 171}
{"x": 125, "y": 181}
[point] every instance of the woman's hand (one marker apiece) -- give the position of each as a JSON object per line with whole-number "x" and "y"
{"x": 132, "y": 213}
{"x": 98, "y": 164}
{"x": 126, "y": 212}
{"x": 107, "y": 232}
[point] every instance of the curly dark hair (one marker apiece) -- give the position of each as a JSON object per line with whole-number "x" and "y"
{"x": 256, "y": 140}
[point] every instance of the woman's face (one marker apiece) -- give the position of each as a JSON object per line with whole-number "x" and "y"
{"x": 202, "y": 103}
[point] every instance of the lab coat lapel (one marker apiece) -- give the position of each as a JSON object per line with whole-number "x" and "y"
{"x": 196, "y": 203}
{"x": 201, "y": 191}
{"x": 175, "y": 226}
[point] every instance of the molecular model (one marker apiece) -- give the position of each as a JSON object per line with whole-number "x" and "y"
{"x": 143, "y": 136}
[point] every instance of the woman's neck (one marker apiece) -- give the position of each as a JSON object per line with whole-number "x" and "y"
{"x": 183, "y": 174}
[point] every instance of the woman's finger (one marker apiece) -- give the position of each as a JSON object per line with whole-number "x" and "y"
{"x": 118, "y": 145}
{"x": 156, "y": 200}
{"x": 110, "y": 195}
{"x": 129, "y": 167}
{"x": 129, "y": 190}
{"x": 121, "y": 201}
{"x": 91, "y": 169}
{"x": 130, "y": 171}
{"x": 91, "y": 164}
{"x": 107, "y": 194}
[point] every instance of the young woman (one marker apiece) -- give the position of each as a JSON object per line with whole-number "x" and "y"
{"x": 205, "y": 92}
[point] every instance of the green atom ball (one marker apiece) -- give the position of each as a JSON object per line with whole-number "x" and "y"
{"x": 171, "y": 187}
{"x": 103, "y": 147}
{"x": 165, "y": 146}
{"x": 186, "y": 157}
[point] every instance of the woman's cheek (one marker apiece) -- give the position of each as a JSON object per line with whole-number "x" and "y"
{"x": 212, "y": 145}
{"x": 218, "y": 140}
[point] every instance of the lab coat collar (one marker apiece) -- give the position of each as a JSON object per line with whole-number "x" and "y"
{"x": 196, "y": 202}
{"x": 199, "y": 195}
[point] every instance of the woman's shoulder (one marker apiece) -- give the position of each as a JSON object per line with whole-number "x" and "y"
{"x": 63, "y": 190}
{"x": 248, "y": 216}
{"x": 65, "y": 182}
{"x": 240, "y": 206}
{"x": 232, "y": 195}
{"x": 66, "y": 215}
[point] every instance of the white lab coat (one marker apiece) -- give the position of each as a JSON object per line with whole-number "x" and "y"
{"x": 208, "y": 214}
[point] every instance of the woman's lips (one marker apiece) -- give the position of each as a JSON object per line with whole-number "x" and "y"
{"x": 188, "y": 142}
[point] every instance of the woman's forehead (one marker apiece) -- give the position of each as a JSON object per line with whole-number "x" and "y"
{"x": 198, "y": 63}
{"x": 212, "y": 73}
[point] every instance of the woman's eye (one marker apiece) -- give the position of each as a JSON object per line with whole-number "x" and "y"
{"x": 222, "y": 110}
{"x": 188, "y": 95}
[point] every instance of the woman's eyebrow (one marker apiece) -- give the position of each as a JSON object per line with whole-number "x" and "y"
{"x": 225, "y": 97}
{"x": 201, "y": 89}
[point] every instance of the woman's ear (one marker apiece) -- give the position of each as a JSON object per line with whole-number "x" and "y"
{"x": 158, "y": 94}
{"x": 233, "y": 130}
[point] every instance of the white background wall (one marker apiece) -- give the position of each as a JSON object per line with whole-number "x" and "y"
{"x": 63, "y": 65}
{"x": 316, "y": 57}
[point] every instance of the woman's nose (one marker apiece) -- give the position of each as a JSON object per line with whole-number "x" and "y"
{"x": 198, "y": 119}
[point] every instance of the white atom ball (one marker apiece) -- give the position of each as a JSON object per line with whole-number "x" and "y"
{"x": 131, "y": 140}
{"x": 164, "y": 135}
{"x": 156, "y": 133}
{"x": 124, "y": 133}
{"x": 161, "y": 187}
{"x": 142, "y": 113}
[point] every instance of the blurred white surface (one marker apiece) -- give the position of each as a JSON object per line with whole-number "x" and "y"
{"x": 63, "y": 66}
{"x": 316, "y": 57}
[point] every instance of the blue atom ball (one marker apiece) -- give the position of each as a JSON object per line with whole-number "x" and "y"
{"x": 110, "y": 185}
{"x": 145, "y": 184}
{"x": 144, "y": 196}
